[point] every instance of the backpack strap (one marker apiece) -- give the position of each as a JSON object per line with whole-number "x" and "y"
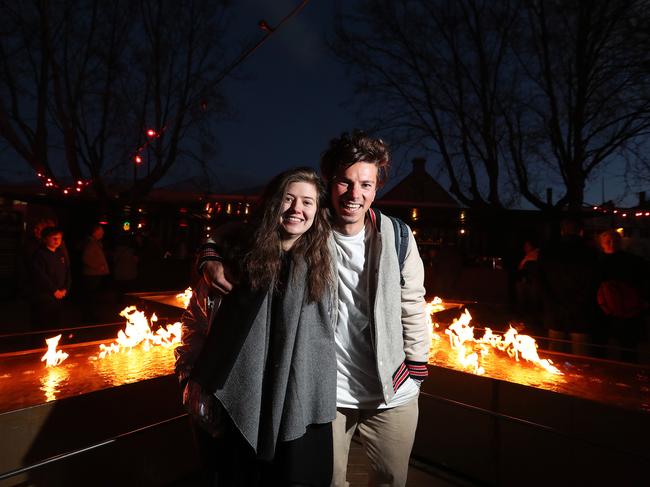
{"x": 401, "y": 244}
{"x": 401, "y": 231}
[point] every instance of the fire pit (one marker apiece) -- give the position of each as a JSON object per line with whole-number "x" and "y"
{"x": 583, "y": 426}
{"x": 66, "y": 423}
{"x": 25, "y": 381}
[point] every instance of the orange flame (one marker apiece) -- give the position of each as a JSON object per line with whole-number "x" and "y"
{"x": 470, "y": 350}
{"x": 461, "y": 339}
{"x": 433, "y": 307}
{"x": 138, "y": 332}
{"x": 515, "y": 345}
{"x": 53, "y": 357}
{"x": 184, "y": 297}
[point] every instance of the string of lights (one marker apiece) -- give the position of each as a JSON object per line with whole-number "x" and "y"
{"x": 49, "y": 181}
{"x": 269, "y": 31}
{"x": 151, "y": 134}
{"x": 622, "y": 212}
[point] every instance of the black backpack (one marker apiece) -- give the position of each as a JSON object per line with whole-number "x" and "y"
{"x": 401, "y": 231}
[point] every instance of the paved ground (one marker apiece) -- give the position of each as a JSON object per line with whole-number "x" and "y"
{"x": 358, "y": 473}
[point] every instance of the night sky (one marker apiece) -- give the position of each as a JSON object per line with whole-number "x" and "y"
{"x": 297, "y": 96}
{"x": 290, "y": 98}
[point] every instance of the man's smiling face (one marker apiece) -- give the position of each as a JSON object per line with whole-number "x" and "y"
{"x": 353, "y": 190}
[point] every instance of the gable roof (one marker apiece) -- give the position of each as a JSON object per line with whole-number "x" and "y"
{"x": 419, "y": 189}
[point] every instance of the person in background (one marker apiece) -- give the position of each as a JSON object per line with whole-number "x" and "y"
{"x": 622, "y": 297}
{"x": 32, "y": 243}
{"x": 260, "y": 372}
{"x": 529, "y": 299}
{"x": 51, "y": 272}
{"x": 94, "y": 273}
{"x": 125, "y": 265}
{"x": 569, "y": 277}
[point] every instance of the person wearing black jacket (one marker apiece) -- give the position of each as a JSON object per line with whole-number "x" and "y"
{"x": 569, "y": 278}
{"x": 51, "y": 271}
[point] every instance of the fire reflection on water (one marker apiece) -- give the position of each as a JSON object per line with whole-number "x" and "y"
{"x": 53, "y": 381}
{"x": 134, "y": 365}
{"x": 25, "y": 381}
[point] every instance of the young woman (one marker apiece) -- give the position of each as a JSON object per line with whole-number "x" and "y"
{"x": 269, "y": 357}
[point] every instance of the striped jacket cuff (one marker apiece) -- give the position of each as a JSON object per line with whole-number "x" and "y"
{"x": 400, "y": 375}
{"x": 208, "y": 252}
{"x": 417, "y": 370}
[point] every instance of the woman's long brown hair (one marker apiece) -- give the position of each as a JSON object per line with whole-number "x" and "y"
{"x": 263, "y": 261}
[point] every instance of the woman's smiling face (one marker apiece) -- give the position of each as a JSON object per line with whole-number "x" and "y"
{"x": 299, "y": 207}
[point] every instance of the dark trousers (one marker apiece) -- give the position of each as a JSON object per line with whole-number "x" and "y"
{"x": 46, "y": 312}
{"x": 91, "y": 291}
{"x": 230, "y": 461}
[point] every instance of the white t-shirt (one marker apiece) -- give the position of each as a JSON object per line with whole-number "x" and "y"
{"x": 358, "y": 385}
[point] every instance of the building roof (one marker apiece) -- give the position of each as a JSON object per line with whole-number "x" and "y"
{"x": 419, "y": 189}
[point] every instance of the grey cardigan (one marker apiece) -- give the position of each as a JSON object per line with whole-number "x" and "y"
{"x": 400, "y": 332}
{"x": 299, "y": 389}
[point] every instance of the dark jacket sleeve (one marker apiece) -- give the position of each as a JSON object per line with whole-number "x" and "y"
{"x": 195, "y": 324}
{"x": 68, "y": 272}
{"x": 42, "y": 280}
{"x": 228, "y": 245}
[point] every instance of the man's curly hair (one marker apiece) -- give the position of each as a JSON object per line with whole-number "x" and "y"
{"x": 349, "y": 149}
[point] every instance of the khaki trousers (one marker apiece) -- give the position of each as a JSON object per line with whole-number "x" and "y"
{"x": 387, "y": 437}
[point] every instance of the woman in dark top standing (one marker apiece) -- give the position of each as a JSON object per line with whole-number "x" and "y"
{"x": 268, "y": 357}
{"x": 622, "y": 297}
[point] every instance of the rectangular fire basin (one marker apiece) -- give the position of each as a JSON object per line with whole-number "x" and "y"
{"x": 90, "y": 421}
{"x": 517, "y": 425}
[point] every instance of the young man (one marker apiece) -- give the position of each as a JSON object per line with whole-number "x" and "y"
{"x": 382, "y": 336}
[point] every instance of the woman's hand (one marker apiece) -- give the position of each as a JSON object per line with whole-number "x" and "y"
{"x": 203, "y": 408}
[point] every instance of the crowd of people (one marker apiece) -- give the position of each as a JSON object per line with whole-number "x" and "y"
{"x": 588, "y": 294}
{"x": 48, "y": 269}
{"x": 58, "y": 277}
